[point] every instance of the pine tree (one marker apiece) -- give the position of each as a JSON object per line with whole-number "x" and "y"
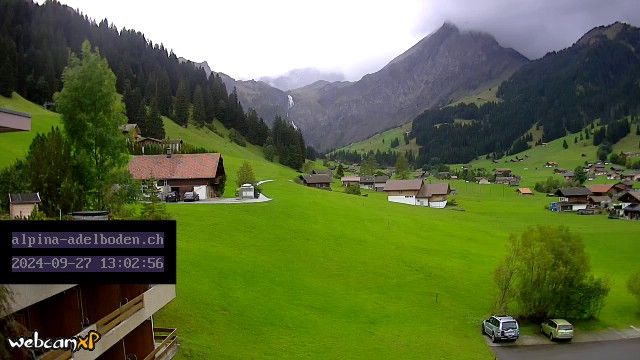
{"x": 199, "y": 113}
{"x": 564, "y": 144}
{"x": 339, "y": 171}
{"x": 154, "y": 126}
{"x": 182, "y": 104}
{"x": 402, "y": 167}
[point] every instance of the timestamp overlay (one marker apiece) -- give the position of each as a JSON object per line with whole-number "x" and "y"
{"x": 63, "y": 252}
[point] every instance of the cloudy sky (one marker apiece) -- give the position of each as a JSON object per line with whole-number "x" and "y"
{"x": 253, "y": 38}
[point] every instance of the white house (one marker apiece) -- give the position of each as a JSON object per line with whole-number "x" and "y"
{"x": 416, "y": 192}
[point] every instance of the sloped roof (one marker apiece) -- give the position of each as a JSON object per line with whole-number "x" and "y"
{"x": 323, "y": 172}
{"x": 128, "y": 127}
{"x": 400, "y": 185}
{"x": 24, "y": 198}
{"x": 178, "y": 166}
{"x": 630, "y": 195}
{"x": 573, "y": 191}
{"x": 632, "y": 208}
{"x": 600, "y": 198}
{"x": 381, "y": 179}
{"x": 429, "y": 190}
{"x": 525, "y": 191}
{"x": 316, "y": 178}
{"x": 350, "y": 178}
{"x": 600, "y": 188}
{"x": 367, "y": 179}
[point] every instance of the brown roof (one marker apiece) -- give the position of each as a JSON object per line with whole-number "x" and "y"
{"x": 399, "y": 185}
{"x": 525, "y": 191}
{"x": 600, "y": 188}
{"x": 600, "y": 198}
{"x": 350, "y": 178}
{"x": 429, "y": 190}
{"x": 316, "y": 179}
{"x": 178, "y": 166}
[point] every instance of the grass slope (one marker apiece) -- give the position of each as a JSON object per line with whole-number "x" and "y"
{"x": 532, "y": 167}
{"x": 382, "y": 141}
{"x": 14, "y": 145}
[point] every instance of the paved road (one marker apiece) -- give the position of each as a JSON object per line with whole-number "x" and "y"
{"x": 628, "y": 349}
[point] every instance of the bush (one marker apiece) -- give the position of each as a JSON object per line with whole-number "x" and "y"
{"x": 546, "y": 274}
{"x": 353, "y": 189}
{"x": 633, "y": 285}
{"x": 550, "y": 185}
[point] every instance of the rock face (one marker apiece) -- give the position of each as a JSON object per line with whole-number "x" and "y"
{"x": 441, "y": 67}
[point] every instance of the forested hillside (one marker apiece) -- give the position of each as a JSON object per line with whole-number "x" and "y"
{"x": 36, "y": 42}
{"x": 596, "y": 78}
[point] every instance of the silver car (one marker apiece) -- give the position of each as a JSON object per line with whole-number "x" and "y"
{"x": 501, "y": 328}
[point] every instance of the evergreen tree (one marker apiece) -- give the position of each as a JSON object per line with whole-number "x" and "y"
{"x": 153, "y": 127}
{"x": 369, "y": 166}
{"x": 245, "y": 174}
{"x": 339, "y": 171}
{"x": 199, "y": 113}
{"x": 182, "y": 104}
{"x": 402, "y": 167}
{"x": 564, "y": 144}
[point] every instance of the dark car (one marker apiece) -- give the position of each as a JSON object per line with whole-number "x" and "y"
{"x": 172, "y": 197}
{"x": 191, "y": 196}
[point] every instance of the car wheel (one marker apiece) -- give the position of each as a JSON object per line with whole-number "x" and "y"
{"x": 551, "y": 336}
{"x": 493, "y": 337}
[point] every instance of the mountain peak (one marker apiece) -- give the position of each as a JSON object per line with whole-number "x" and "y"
{"x": 609, "y": 32}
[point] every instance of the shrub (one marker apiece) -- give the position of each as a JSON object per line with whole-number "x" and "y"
{"x": 353, "y": 189}
{"x": 633, "y": 285}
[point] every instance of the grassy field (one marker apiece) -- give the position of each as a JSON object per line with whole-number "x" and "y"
{"x": 14, "y": 145}
{"x": 323, "y": 274}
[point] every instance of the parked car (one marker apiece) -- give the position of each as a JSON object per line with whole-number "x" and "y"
{"x": 172, "y": 197}
{"x": 190, "y": 196}
{"x": 501, "y": 328}
{"x": 557, "y": 329}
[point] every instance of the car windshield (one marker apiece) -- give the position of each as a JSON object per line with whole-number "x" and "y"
{"x": 565, "y": 327}
{"x": 508, "y": 325}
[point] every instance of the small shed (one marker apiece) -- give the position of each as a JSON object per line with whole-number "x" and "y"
{"x": 524, "y": 191}
{"x": 21, "y": 205}
{"x": 247, "y": 191}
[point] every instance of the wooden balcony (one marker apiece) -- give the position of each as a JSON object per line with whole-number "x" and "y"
{"x": 166, "y": 342}
{"x": 121, "y": 314}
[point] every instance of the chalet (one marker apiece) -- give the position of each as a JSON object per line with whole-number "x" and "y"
{"x": 609, "y": 190}
{"x": 632, "y": 212}
{"x": 201, "y": 173}
{"x": 21, "y": 205}
{"x": 322, "y": 172}
{"x": 350, "y": 180}
{"x": 319, "y": 181}
{"x": 598, "y": 169}
{"x": 502, "y": 172}
{"x": 559, "y": 171}
{"x": 131, "y": 131}
{"x": 601, "y": 201}
{"x": 174, "y": 145}
{"x": 550, "y": 164}
{"x": 416, "y": 192}
{"x": 507, "y": 180}
{"x": 629, "y": 197}
{"x": 572, "y": 198}
{"x": 379, "y": 182}
{"x": 524, "y": 191}
{"x": 569, "y": 176}
{"x": 367, "y": 182}
{"x": 631, "y": 175}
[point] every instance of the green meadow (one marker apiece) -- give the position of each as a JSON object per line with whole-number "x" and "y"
{"x": 323, "y": 274}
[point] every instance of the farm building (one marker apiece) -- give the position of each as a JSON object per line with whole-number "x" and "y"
{"x": 379, "y": 182}
{"x": 174, "y": 145}
{"x": 632, "y": 212}
{"x": 601, "y": 201}
{"x": 550, "y": 164}
{"x": 319, "y": 181}
{"x": 572, "y": 199}
{"x": 483, "y": 181}
{"x": 502, "y": 172}
{"x": 569, "y": 176}
{"x": 131, "y": 131}
{"x": 350, "y": 180}
{"x": 508, "y": 180}
{"x": 607, "y": 189}
{"x": 21, "y": 205}
{"x": 367, "y": 182}
{"x": 322, "y": 172}
{"x": 631, "y": 175}
{"x": 201, "y": 173}
{"x": 629, "y": 197}
{"x": 416, "y": 192}
{"x": 524, "y": 191}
